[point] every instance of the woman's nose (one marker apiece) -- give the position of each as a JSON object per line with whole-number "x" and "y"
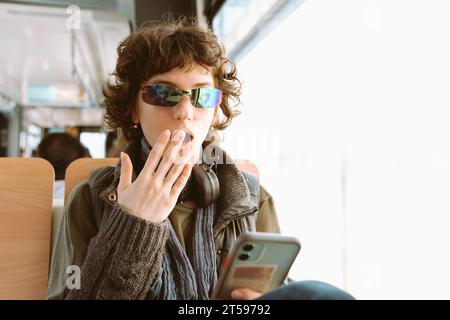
{"x": 184, "y": 110}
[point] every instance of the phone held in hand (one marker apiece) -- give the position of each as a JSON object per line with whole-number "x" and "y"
{"x": 258, "y": 261}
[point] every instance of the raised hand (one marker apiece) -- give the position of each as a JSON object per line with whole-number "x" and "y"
{"x": 153, "y": 195}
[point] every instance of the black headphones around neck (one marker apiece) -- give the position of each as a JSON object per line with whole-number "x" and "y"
{"x": 206, "y": 184}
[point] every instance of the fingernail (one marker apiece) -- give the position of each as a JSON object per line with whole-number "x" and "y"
{"x": 122, "y": 156}
{"x": 237, "y": 294}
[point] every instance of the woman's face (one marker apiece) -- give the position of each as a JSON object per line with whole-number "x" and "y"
{"x": 194, "y": 121}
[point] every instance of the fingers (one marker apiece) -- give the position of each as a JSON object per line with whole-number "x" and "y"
{"x": 156, "y": 153}
{"x": 170, "y": 155}
{"x": 126, "y": 172}
{"x": 181, "y": 181}
{"x": 177, "y": 168}
{"x": 245, "y": 294}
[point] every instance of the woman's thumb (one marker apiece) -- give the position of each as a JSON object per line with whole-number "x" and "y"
{"x": 126, "y": 172}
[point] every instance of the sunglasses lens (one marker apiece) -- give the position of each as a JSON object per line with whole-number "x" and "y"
{"x": 208, "y": 98}
{"x": 161, "y": 96}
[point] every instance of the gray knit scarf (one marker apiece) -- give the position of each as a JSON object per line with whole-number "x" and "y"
{"x": 191, "y": 273}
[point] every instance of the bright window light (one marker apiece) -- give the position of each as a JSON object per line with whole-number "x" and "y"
{"x": 95, "y": 142}
{"x": 345, "y": 110}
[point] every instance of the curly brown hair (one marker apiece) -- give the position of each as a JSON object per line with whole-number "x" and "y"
{"x": 158, "y": 48}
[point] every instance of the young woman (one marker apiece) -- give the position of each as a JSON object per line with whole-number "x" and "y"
{"x": 159, "y": 224}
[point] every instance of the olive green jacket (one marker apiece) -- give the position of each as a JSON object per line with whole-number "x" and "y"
{"x": 118, "y": 254}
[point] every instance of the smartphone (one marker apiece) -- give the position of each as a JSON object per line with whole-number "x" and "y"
{"x": 259, "y": 261}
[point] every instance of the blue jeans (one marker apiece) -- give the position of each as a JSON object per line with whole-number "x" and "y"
{"x": 307, "y": 290}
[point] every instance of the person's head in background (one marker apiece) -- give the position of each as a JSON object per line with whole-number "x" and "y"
{"x": 157, "y": 61}
{"x": 60, "y": 149}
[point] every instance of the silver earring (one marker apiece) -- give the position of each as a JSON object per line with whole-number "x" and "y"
{"x": 134, "y": 126}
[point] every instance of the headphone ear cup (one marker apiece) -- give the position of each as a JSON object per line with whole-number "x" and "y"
{"x": 207, "y": 185}
{"x": 214, "y": 190}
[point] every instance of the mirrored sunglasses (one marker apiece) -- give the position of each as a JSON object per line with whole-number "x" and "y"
{"x": 164, "y": 96}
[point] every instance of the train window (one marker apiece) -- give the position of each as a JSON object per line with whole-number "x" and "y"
{"x": 241, "y": 24}
{"x": 355, "y": 96}
{"x": 95, "y": 142}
